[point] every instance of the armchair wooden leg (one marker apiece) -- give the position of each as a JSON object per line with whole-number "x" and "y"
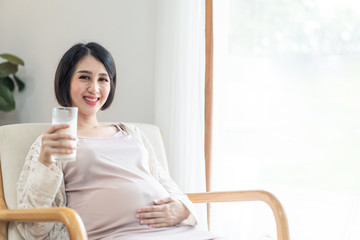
{"x": 258, "y": 195}
{"x": 3, "y": 230}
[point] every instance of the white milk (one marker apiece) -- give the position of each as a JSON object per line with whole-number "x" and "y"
{"x": 67, "y": 157}
{"x": 66, "y": 118}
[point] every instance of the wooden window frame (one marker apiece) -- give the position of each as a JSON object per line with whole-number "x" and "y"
{"x": 208, "y": 88}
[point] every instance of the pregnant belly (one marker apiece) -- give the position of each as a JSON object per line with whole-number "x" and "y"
{"x": 113, "y": 207}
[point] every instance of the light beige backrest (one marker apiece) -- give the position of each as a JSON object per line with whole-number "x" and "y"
{"x": 15, "y": 142}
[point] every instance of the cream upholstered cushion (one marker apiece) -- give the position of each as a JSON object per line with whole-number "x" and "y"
{"x": 15, "y": 142}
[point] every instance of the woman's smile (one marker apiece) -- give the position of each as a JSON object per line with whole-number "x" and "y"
{"x": 91, "y": 100}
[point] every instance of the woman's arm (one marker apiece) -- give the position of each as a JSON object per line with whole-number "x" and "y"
{"x": 176, "y": 193}
{"x": 38, "y": 187}
{"x": 164, "y": 179}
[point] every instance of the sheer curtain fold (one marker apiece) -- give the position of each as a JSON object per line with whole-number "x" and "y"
{"x": 179, "y": 89}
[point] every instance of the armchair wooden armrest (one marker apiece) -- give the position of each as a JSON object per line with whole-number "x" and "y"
{"x": 258, "y": 195}
{"x": 66, "y": 215}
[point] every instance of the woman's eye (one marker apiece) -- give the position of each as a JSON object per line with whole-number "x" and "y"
{"x": 103, "y": 80}
{"x": 84, "y": 77}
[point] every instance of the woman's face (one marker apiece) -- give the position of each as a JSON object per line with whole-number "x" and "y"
{"x": 90, "y": 86}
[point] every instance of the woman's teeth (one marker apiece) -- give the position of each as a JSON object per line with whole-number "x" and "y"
{"x": 91, "y": 99}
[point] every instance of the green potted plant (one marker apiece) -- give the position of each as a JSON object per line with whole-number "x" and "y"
{"x": 8, "y": 79}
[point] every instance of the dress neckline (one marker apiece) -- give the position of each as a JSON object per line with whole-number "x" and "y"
{"x": 93, "y": 138}
{"x": 120, "y": 130}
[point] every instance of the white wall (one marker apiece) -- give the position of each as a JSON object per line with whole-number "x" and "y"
{"x": 40, "y": 31}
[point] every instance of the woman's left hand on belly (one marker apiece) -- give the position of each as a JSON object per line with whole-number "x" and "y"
{"x": 166, "y": 212}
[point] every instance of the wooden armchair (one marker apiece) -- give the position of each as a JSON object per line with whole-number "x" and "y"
{"x": 15, "y": 141}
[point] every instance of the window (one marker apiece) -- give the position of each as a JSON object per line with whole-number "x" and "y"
{"x": 286, "y": 115}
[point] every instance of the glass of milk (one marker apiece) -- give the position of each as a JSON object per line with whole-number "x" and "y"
{"x": 66, "y": 115}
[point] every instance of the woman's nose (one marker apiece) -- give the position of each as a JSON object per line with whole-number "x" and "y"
{"x": 93, "y": 87}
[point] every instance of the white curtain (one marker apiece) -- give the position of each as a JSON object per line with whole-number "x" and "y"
{"x": 179, "y": 91}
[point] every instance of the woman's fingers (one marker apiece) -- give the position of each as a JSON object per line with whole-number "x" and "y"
{"x": 59, "y": 149}
{"x": 56, "y": 127}
{"x": 170, "y": 213}
{"x": 55, "y": 132}
{"x": 63, "y": 135}
{"x": 149, "y": 215}
{"x": 160, "y": 205}
{"x": 58, "y": 144}
{"x": 53, "y": 142}
{"x": 152, "y": 209}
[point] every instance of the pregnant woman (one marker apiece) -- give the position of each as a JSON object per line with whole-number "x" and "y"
{"x": 116, "y": 184}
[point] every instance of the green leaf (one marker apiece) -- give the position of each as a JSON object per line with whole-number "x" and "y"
{"x": 7, "y": 101}
{"x": 7, "y": 68}
{"x": 8, "y": 82}
{"x": 13, "y": 59}
{"x": 21, "y": 84}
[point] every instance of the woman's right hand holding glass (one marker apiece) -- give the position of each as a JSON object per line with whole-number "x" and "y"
{"x": 52, "y": 144}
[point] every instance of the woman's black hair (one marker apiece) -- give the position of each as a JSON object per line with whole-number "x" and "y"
{"x": 67, "y": 65}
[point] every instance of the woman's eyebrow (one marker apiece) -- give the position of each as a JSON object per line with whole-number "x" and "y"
{"x": 89, "y": 72}
{"x": 84, "y": 71}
